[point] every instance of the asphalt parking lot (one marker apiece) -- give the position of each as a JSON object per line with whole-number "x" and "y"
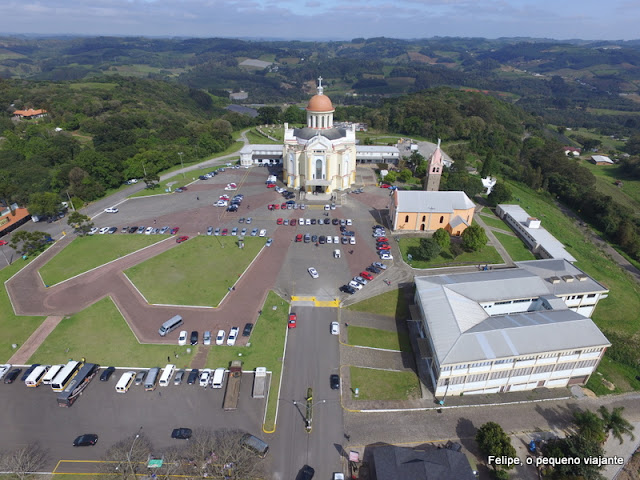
{"x": 33, "y": 413}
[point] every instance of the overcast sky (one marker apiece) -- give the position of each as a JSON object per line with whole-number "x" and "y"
{"x": 328, "y": 19}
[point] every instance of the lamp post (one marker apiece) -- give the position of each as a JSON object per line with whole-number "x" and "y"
{"x": 180, "y": 155}
{"x": 131, "y": 450}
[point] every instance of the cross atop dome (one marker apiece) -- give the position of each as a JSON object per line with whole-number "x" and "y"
{"x": 320, "y": 87}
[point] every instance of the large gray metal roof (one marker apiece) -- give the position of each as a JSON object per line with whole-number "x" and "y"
{"x": 307, "y": 133}
{"x": 461, "y": 330}
{"x": 438, "y": 202}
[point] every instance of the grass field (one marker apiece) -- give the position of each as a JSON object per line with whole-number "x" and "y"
{"x": 13, "y": 328}
{"x": 487, "y": 255}
{"x": 101, "y": 335}
{"x": 391, "y": 304}
{"x": 373, "y": 337}
{"x": 628, "y": 194}
{"x": 383, "y": 385}
{"x": 197, "y": 272}
{"x": 256, "y": 138}
{"x": 618, "y": 312}
{"x": 85, "y": 253}
{"x": 265, "y": 350}
{"x": 494, "y": 221}
{"x": 514, "y": 247}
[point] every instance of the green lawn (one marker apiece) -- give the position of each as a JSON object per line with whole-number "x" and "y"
{"x": 514, "y": 247}
{"x": 255, "y": 138}
{"x": 373, "y": 337}
{"x": 13, "y": 328}
{"x": 101, "y": 335}
{"x": 391, "y": 304}
{"x": 179, "y": 180}
{"x": 488, "y": 255}
{"x": 618, "y": 312}
{"x": 495, "y": 222}
{"x": 628, "y": 194}
{"x": 85, "y": 253}
{"x": 265, "y": 350}
{"x": 196, "y": 272}
{"x": 384, "y": 385}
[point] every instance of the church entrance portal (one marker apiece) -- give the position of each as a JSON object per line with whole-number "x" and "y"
{"x": 319, "y": 189}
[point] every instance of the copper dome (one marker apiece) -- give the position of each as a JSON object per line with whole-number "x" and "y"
{"x": 320, "y": 103}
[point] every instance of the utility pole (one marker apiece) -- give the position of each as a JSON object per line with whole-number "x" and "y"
{"x": 180, "y": 155}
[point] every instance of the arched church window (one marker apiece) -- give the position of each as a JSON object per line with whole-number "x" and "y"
{"x": 318, "y": 169}
{"x": 424, "y": 218}
{"x": 441, "y": 218}
{"x": 406, "y": 218}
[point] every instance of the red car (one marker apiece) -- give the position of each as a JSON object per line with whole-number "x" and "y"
{"x": 366, "y": 275}
{"x": 382, "y": 239}
{"x": 175, "y": 230}
{"x": 271, "y": 185}
{"x": 292, "y": 222}
{"x": 181, "y": 239}
{"x": 276, "y": 206}
{"x": 3, "y": 242}
{"x": 384, "y": 247}
{"x": 292, "y": 320}
{"x": 299, "y": 237}
{"x": 270, "y": 206}
{"x": 385, "y": 185}
{"x": 279, "y": 221}
{"x": 283, "y": 206}
{"x": 224, "y": 232}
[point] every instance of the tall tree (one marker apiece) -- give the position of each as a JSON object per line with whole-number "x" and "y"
{"x": 442, "y": 237}
{"x": 474, "y": 238}
{"x": 45, "y": 203}
{"x": 493, "y": 441}
{"x": 499, "y": 194}
{"x": 428, "y": 249}
{"x": 615, "y": 423}
{"x": 590, "y": 426}
{"x": 80, "y": 223}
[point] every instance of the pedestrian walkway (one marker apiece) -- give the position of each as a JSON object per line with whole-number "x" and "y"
{"x": 199, "y": 360}
{"x": 315, "y": 301}
{"x": 28, "y": 348}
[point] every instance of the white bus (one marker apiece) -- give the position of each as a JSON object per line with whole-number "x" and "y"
{"x": 51, "y": 374}
{"x": 165, "y": 378}
{"x": 35, "y": 377}
{"x": 65, "y": 375}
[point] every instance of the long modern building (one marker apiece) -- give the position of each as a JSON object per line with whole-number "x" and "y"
{"x": 510, "y": 329}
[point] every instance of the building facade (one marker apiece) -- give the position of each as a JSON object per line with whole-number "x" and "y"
{"x": 510, "y": 329}
{"x": 319, "y": 158}
{"x": 429, "y": 211}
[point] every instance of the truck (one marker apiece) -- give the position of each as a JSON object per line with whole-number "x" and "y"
{"x": 260, "y": 382}
{"x": 233, "y": 386}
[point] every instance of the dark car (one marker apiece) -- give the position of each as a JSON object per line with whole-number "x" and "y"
{"x": 345, "y": 240}
{"x": 28, "y": 371}
{"x": 12, "y": 375}
{"x": 232, "y": 208}
{"x": 194, "y": 337}
{"x": 306, "y": 473}
{"x": 202, "y": 177}
{"x": 322, "y": 239}
{"x": 107, "y": 374}
{"x": 247, "y": 329}
{"x": 307, "y": 238}
{"x": 313, "y": 221}
{"x": 181, "y": 433}
{"x": 86, "y": 440}
{"x": 373, "y": 269}
{"x": 327, "y": 221}
{"x": 334, "y": 380}
{"x": 193, "y": 376}
{"x": 348, "y": 289}
{"x": 133, "y": 229}
{"x": 335, "y": 221}
{"x": 314, "y": 238}
{"x": 113, "y": 230}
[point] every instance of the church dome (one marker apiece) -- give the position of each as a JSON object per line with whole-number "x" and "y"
{"x": 320, "y": 103}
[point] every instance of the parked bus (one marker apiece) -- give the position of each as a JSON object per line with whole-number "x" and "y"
{"x": 51, "y": 374}
{"x": 34, "y": 379}
{"x": 64, "y": 377}
{"x": 77, "y": 384}
{"x": 125, "y": 382}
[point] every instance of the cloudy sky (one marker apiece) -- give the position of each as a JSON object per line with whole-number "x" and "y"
{"x": 325, "y": 19}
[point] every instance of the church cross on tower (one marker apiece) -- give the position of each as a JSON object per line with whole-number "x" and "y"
{"x": 320, "y": 88}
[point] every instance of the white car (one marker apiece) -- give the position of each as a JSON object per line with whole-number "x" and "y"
{"x": 301, "y": 221}
{"x": 221, "y": 203}
{"x": 355, "y": 285}
{"x": 182, "y": 339}
{"x": 4, "y": 369}
{"x": 307, "y": 221}
{"x": 149, "y": 230}
{"x": 336, "y": 240}
{"x": 220, "y": 337}
{"x": 263, "y": 233}
{"x": 329, "y": 239}
{"x": 93, "y": 230}
{"x": 327, "y": 207}
{"x": 386, "y": 256}
{"x": 335, "y": 328}
{"x": 303, "y": 206}
{"x": 352, "y": 240}
{"x": 233, "y": 335}
{"x": 349, "y": 222}
{"x": 111, "y": 210}
{"x": 103, "y": 230}
{"x": 313, "y": 272}
{"x": 205, "y": 377}
{"x": 132, "y": 181}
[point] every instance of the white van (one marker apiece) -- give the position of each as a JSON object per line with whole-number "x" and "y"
{"x": 336, "y": 254}
{"x": 218, "y": 378}
{"x": 125, "y": 382}
{"x": 167, "y": 373}
{"x": 35, "y": 377}
{"x": 51, "y": 374}
{"x": 170, "y": 325}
